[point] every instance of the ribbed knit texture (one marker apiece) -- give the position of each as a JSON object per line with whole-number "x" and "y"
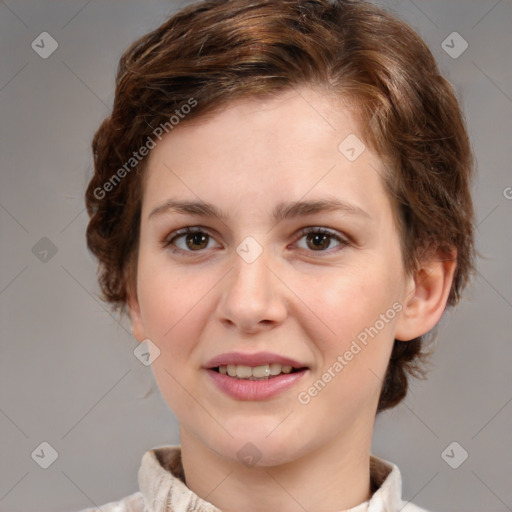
{"x": 162, "y": 488}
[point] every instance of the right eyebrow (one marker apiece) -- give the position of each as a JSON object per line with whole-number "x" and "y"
{"x": 199, "y": 208}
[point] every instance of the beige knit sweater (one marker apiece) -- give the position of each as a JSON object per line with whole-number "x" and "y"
{"x": 162, "y": 488}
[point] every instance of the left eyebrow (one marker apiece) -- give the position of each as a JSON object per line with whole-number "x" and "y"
{"x": 281, "y": 212}
{"x": 302, "y": 208}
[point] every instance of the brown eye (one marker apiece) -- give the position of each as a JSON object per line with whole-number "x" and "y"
{"x": 320, "y": 240}
{"x": 196, "y": 241}
{"x": 188, "y": 240}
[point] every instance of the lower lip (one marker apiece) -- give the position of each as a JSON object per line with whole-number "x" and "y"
{"x": 242, "y": 389}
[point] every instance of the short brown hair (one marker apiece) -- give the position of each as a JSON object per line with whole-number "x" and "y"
{"x": 217, "y": 51}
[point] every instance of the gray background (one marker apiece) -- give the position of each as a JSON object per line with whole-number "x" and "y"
{"x": 68, "y": 373}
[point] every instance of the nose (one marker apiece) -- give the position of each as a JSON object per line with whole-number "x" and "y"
{"x": 253, "y": 298}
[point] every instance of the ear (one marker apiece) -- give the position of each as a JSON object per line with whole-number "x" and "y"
{"x": 135, "y": 315}
{"x": 428, "y": 291}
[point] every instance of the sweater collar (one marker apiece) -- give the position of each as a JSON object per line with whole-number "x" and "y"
{"x": 162, "y": 483}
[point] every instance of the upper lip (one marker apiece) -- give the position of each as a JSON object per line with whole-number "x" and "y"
{"x": 257, "y": 359}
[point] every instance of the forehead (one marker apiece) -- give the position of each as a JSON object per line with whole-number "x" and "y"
{"x": 288, "y": 124}
{"x": 255, "y": 151}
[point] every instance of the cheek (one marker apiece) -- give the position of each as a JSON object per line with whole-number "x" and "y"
{"x": 357, "y": 306}
{"x": 349, "y": 301}
{"x": 170, "y": 306}
{"x": 175, "y": 307}
{"x": 168, "y": 297}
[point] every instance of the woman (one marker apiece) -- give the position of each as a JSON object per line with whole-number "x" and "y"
{"x": 281, "y": 204}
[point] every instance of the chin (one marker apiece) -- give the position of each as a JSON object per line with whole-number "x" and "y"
{"x": 258, "y": 449}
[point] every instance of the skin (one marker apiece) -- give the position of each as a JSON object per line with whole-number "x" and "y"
{"x": 295, "y": 299}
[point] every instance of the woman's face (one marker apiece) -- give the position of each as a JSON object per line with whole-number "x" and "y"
{"x": 250, "y": 280}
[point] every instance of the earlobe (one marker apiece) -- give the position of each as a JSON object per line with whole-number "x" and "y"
{"x": 426, "y": 299}
{"x": 138, "y": 331}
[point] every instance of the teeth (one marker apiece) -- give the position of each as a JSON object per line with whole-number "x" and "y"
{"x": 243, "y": 372}
{"x": 275, "y": 369}
{"x": 260, "y": 371}
{"x": 254, "y": 372}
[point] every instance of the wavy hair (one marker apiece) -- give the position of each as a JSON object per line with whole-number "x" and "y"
{"x": 218, "y": 51}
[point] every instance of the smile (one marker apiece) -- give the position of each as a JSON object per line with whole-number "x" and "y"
{"x": 262, "y": 372}
{"x": 256, "y": 376}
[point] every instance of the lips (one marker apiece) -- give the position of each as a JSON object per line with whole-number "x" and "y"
{"x": 257, "y": 359}
{"x": 260, "y": 389}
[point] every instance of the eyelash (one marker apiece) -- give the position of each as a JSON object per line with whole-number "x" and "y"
{"x": 167, "y": 242}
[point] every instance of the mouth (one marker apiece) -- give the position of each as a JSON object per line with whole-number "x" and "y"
{"x": 261, "y": 372}
{"x": 260, "y": 376}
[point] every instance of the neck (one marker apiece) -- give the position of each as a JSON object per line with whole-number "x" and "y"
{"x": 332, "y": 478}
